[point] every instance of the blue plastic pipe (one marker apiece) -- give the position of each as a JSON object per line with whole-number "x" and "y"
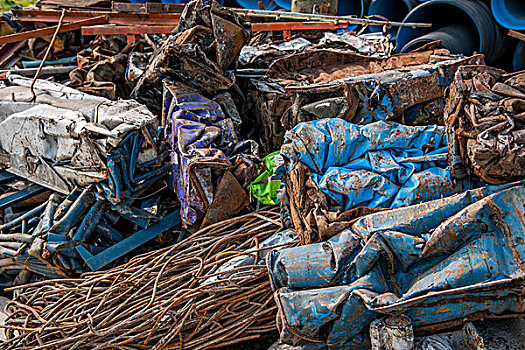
{"x": 254, "y": 4}
{"x": 474, "y": 15}
{"x": 509, "y": 13}
{"x": 344, "y": 7}
{"x": 519, "y": 57}
{"x": 393, "y": 10}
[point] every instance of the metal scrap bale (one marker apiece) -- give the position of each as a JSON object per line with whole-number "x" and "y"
{"x": 338, "y": 171}
{"x": 485, "y": 116}
{"x": 408, "y": 88}
{"x": 267, "y": 100}
{"x": 68, "y": 138}
{"x": 211, "y": 166}
{"x": 204, "y": 46}
{"x": 441, "y": 263}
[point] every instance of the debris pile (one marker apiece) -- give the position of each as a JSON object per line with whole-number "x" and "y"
{"x": 142, "y": 155}
{"x": 210, "y": 289}
{"x": 103, "y": 161}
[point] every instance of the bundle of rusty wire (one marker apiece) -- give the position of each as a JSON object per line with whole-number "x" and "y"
{"x": 157, "y": 300}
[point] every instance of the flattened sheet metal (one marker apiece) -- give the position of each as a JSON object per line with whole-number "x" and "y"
{"x": 440, "y": 263}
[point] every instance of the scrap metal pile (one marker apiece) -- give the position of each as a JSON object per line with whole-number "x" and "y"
{"x": 136, "y": 188}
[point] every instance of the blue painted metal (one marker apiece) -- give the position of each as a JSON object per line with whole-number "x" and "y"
{"x": 49, "y": 212}
{"x": 509, "y": 13}
{"x": 75, "y": 212}
{"x": 436, "y": 262}
{"x": 130, "y": 243}
{"x": 53, "y": 238}
{"x": 379, "y": 165}
{"x": 90, "y": 222}
{"x": 28, "y": 215}
{"x": 6, "y": 176}
{"x": 108, "y": 232}
{"x": 11, "y": 198}
{"x": 36, "y": 64}
{"x": 63, "y": 207}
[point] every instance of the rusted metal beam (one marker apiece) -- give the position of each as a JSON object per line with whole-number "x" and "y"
{"x": 278, "y": 15}
{"x": 149, "y": 7}
{"x": 37, "y": 33}
{"x": 126, "y": 30}
{"x": 7, "y": 52}
{"x": 131, "y": 18}
{"x": 256, "y": 27}
{"x": 517, "y": 35}
{"x": 123, "y": 18}
{"x": 278, "y": 26}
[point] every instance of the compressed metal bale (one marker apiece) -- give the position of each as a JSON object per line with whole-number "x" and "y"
{"x": 338, "y": 171}
{"x": 484, "y": 113}
{"x": 463, "y": 260}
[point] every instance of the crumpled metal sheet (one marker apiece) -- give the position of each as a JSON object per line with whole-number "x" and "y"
{"x": 211, "y": 167}
{"x": 440, "y": 263}
{"x": 485, "y": 113}
{"x": 204, "y": 46}
{"x": 67, "y": 138}
{"x": 327, "y": 83}
{"x": 335, "y": 167}
{"x": 406, "y": 88}
{"x": 101, "y": 69}
{"x": 263, "y": 54}
{"x": 370, "y": 44}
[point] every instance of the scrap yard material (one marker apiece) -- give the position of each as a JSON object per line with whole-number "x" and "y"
{"x": 338, "y": 171}
{"x": 199, "y": 176}
{"x": 440, "y": 263}
{"x": 485, "y": 114}
{"x": 174, "y": 297}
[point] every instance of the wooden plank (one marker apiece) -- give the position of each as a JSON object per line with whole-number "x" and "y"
{"x": 37, "y": 33}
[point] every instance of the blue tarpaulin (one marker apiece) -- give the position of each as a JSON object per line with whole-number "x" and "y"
{"x": 439, "y": 262}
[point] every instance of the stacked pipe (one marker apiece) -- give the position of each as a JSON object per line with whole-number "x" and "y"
{"x": 467, "y": 26}
{"x": 463, "y": 26}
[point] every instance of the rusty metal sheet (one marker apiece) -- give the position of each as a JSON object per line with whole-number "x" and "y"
{"x": 337, "y": 171}
{"x": 206, "y": 44}
{"x": 484, "y": 113}
{"x": 411, "y": 94}
{"x": 440, "y": 263}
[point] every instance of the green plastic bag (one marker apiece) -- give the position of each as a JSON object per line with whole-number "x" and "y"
{"x": 264, "y": 188}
